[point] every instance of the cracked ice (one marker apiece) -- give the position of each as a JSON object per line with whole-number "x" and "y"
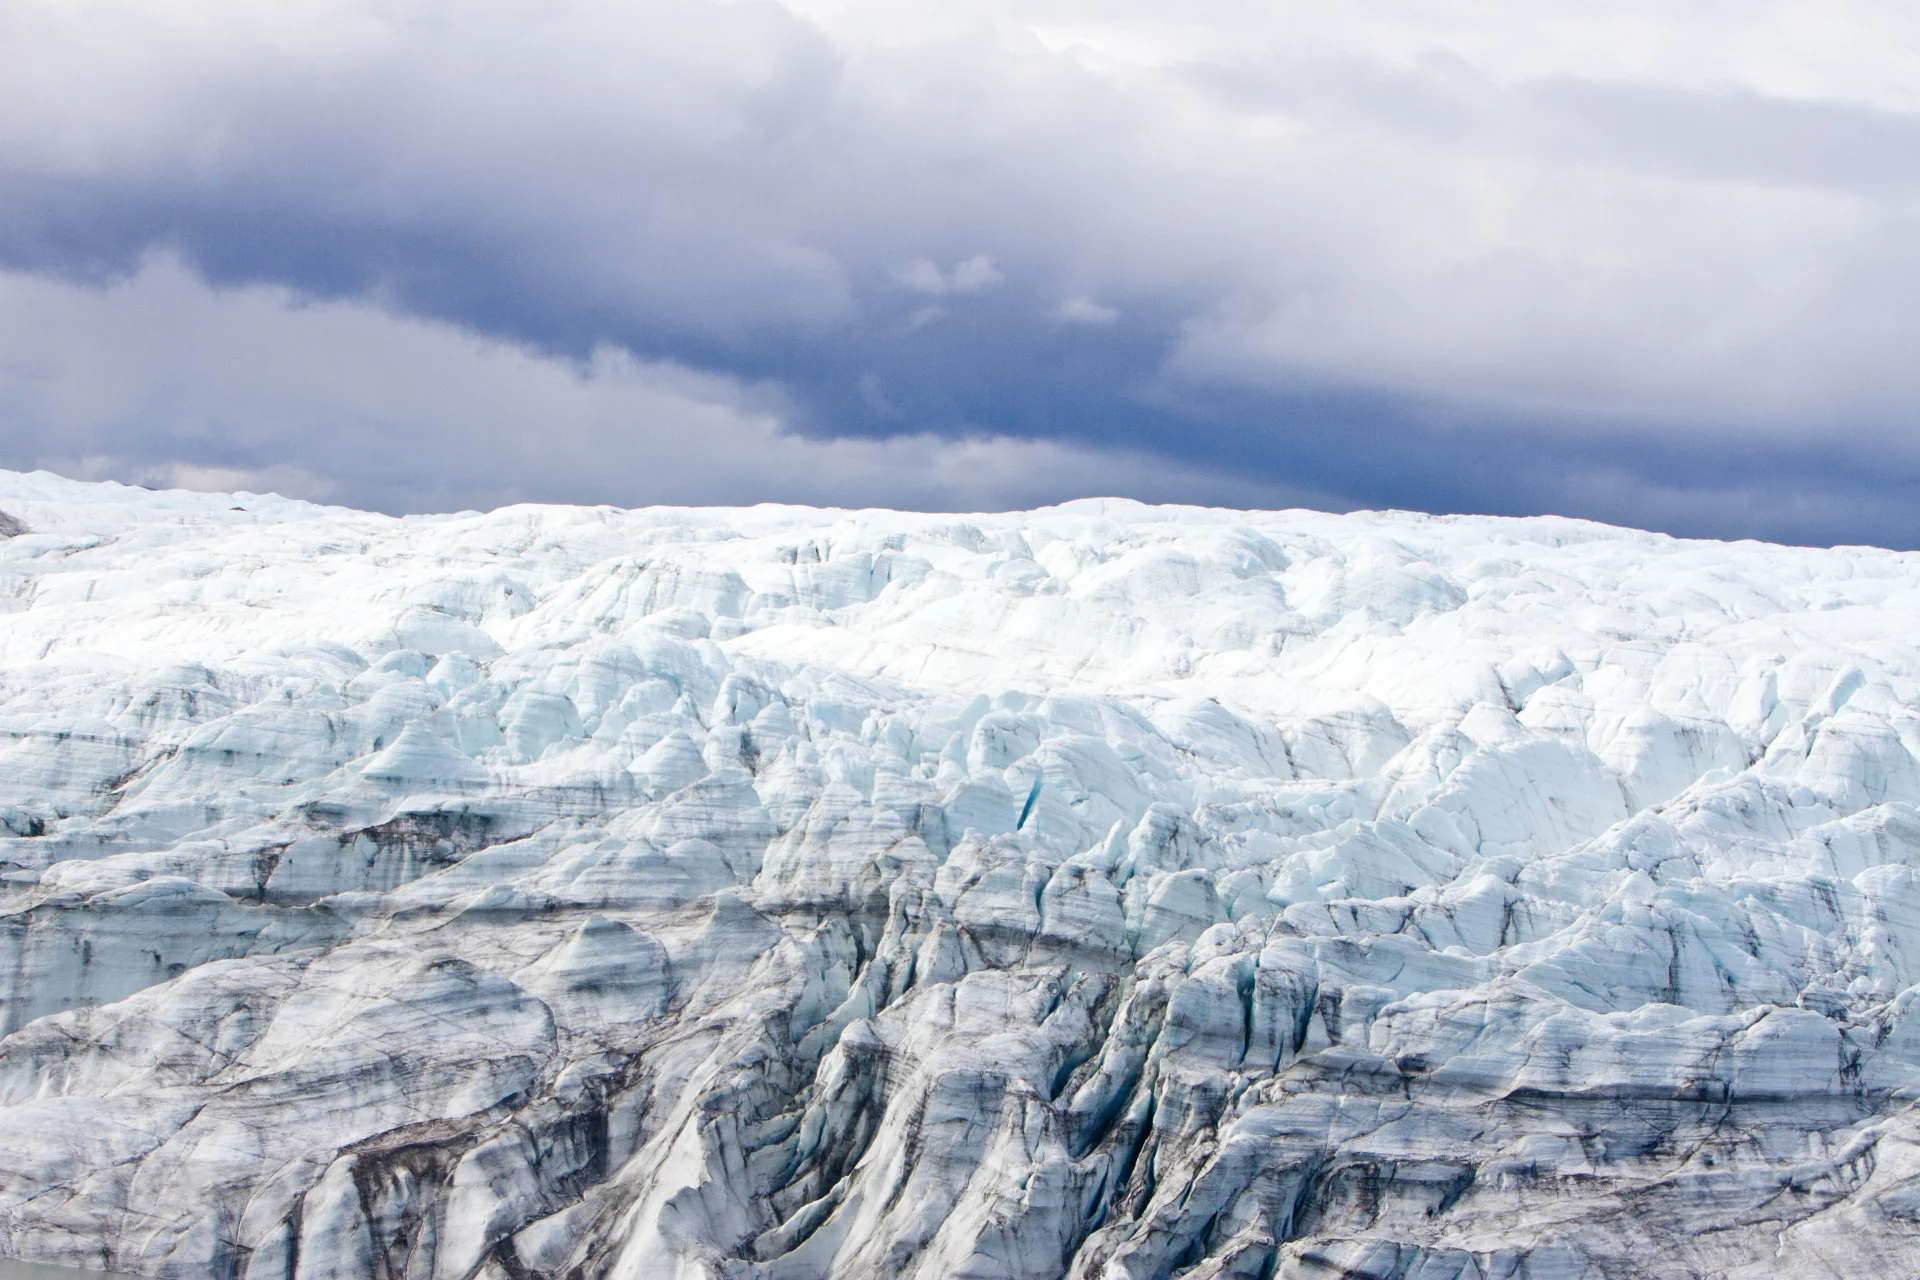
{"x": 1106, "y": 892}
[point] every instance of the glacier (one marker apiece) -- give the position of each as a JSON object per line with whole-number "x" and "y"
{"x": 1106, "y": 892}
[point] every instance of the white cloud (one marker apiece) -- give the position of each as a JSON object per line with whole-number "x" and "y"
{"x": 1087, "y": 311}
{"x": 922, "y": 276}
{"x": 974, "y": 275}
{"x": 160, "y": 379}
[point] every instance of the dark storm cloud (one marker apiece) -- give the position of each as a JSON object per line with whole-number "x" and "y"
{"x": 1648, "y": 265}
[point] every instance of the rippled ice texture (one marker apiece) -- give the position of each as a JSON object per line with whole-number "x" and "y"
{"x": 1106, "y": 891}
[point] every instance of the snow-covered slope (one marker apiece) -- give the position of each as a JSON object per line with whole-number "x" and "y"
{"x": 1106, "y": 891}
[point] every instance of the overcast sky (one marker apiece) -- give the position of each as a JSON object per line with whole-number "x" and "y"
{"x": 1652, "y": 262}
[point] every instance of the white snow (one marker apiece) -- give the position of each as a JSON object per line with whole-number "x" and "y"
{"x": 1105, "y": 891}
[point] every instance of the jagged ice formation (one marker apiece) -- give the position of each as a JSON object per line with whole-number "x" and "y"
{"x": 1106, "y": 892}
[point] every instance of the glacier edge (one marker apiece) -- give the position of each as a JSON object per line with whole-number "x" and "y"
{"x": 1105, "y": 892}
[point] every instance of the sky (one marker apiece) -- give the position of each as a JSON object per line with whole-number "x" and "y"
{"x": 1654, "y": 262}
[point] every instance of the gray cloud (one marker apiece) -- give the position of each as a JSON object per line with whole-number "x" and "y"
{"x": 163, "y": 380}
{"x": 1640, "y": 235}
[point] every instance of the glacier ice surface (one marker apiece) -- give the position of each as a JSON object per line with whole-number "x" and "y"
{"x": 1108, "y": 892}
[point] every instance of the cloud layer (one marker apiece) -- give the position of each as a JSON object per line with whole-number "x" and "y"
{"x": 345, "y": 402}
{"x": 1654, "y": 263}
